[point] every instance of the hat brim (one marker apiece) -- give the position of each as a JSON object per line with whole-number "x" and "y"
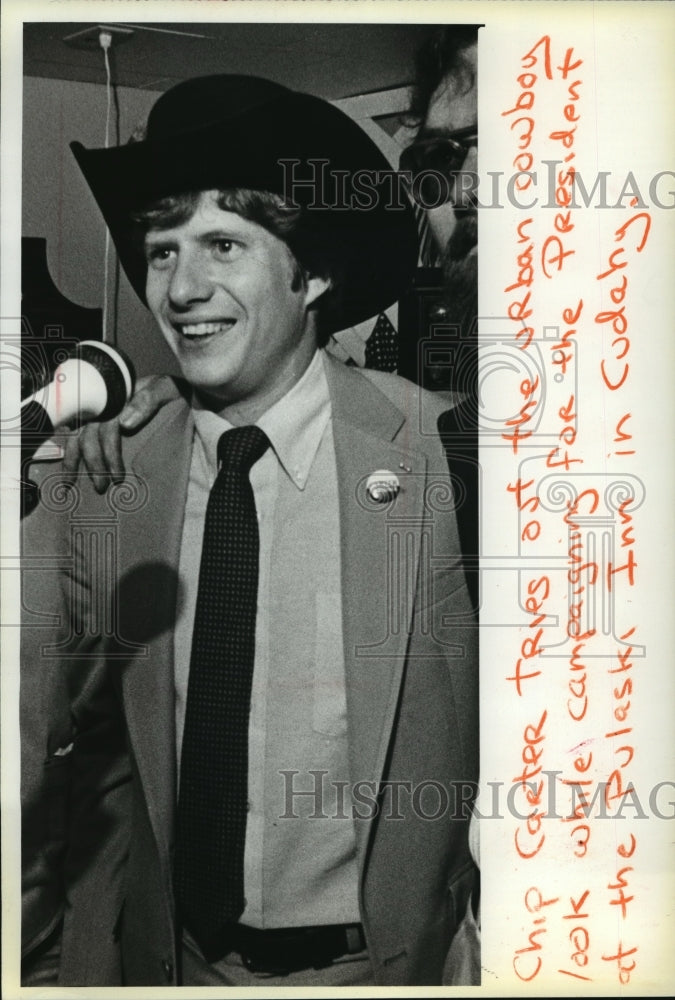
{"x": 352, "y": 206}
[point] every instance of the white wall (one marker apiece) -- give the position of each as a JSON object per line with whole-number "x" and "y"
{"x": 57, "y": 203}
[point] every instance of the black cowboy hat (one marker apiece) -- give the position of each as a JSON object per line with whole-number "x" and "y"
{"x": 236, "y": 131}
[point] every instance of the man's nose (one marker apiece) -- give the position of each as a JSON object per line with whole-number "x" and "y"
{"x": 190, "y": 281}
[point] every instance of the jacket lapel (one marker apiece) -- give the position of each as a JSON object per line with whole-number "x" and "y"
{"x": 380, "y": 545}
{"x": 149, "y": 590}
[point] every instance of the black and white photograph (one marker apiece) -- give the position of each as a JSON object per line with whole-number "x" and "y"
{"x": 336, "y": 567}
{"x": 250, "y": 742}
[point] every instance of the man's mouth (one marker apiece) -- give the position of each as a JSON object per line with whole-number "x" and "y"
{"x": 204, "y": 330}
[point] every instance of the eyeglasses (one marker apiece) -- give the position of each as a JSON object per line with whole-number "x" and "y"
{"x": 443, "y": 154}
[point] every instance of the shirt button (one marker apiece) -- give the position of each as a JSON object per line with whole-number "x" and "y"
{"x": 168, "y": 970}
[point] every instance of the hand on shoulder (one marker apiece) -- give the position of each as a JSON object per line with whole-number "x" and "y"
{"x": 98, "y": 446}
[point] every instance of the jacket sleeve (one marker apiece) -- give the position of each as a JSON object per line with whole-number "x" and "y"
{"x": 75, "y": 771}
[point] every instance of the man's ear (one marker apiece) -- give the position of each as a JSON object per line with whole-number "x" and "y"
{"x": 314, "y": 288}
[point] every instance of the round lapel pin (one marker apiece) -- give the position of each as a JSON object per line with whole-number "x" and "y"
{"x": 382, "y": 486}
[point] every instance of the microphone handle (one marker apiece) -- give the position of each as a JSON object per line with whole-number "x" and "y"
{"x": 36, "y": 428}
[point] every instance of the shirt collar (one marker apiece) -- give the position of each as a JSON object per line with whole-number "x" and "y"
{"x": 294, "y": 425}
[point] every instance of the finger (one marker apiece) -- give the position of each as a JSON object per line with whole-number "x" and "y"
{"x": 71, "y": 456}
{"x": 91, "y": 454}
{"x": 152, "y": 393}
{"x": 111, "y": 445}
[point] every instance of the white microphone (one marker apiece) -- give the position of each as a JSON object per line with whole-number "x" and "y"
{"x": 95, "y": 383}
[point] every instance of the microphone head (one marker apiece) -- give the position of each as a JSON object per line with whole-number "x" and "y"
{"x": 116, "y": 371}
{"x": 94, "y": 383}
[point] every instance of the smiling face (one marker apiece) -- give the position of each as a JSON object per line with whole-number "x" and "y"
{"x": 226, "y": 296}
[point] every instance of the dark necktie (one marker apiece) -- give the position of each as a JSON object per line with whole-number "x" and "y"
{"x": 382, "y": 346}
{"x": 211, "y": 820}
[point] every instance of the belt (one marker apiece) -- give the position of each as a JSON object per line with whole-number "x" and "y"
{"x": 290, "y": 949}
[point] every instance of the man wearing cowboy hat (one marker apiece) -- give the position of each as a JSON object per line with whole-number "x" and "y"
{"x": 261, "y": 734}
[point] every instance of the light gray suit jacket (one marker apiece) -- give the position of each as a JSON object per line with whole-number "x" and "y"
{"x": 99, "y": 782}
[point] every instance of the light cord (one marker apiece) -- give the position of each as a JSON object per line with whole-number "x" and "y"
{"x": 105, "y": 40}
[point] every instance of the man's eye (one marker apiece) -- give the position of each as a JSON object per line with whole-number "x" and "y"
{"x": 158, "y": 257}
{"x": 224, "y": 247}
